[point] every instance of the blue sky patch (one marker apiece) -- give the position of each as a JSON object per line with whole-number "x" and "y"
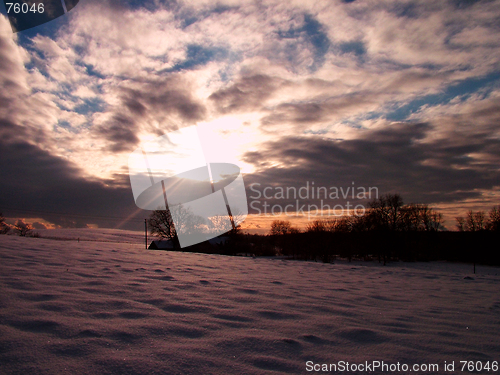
{"x": 462, "y": 89}
{"x": 356, "y": 47}
{"x": 315, "y": 36}
{"x": 90, "y": 105}
{"x": 197, "y": 55}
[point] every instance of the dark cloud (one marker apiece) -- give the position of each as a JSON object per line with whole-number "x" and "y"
{"x": 145, "y": 103}
{"x": 37, "y": 184}
{"x": 296, "y": 113}
{"x": 246, "y": 94}
{"x": 379, "y": 101}
{"x": 121, "y": 133}
{"x": 393, "y": 159}
{"x": 315, "y": 110}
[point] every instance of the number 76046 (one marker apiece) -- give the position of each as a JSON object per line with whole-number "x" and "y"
{"x": 24, "y": 8}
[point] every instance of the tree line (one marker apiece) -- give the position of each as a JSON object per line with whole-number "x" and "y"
{"x": 387, "y": 230}
{"x": 389, "y": 213}
{"x": 479, "y": 221}
{"x": 391, "y": 230}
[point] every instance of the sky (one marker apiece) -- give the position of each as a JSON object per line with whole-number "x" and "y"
{"x": 401, "y": 96}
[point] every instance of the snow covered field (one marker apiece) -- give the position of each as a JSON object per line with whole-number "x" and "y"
{"x": 108, "y": 308}
{"x": 90, "y": 234}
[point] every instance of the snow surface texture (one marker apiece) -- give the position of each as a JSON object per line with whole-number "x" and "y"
{"x": 107, "y": 308}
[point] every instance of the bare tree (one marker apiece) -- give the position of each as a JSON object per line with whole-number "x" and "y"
{"x": 385, "y": 213}
{"x": 22, "y": 228}
{"x": 342, "y": 224}
{"x": 472, "y": 222}
{"x": 434, "y": 224}
{"x": 394, "y": 204}
{"x": 4, "y": 228}
{"x": 219, "y": 224}
{"x": 460, "y": 223}
{"x": 316, "y": 226}
{"x": 281, "y": 227}
{"x": 161, "y": 223}
{"x": 411, "y": 217}
{"x": 493, "y": 222}
{"x": 187, "y": 223}
{"x": 420, "y": 217}
{"x": 479, "y": 220}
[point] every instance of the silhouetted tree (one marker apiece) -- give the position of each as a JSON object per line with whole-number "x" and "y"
{"x": 161, "y": 223}
{"x": 4, "y": 228}
{"x": 283, "y": 237}
{"x": 460, "y": 223}
{"x": 281, "y": 227}
{"x": 316, "y": 226}
{"x": 476, "y": 220}
{"x": 493, "y": 222}
{"x": 472, "y": 222}
{"x": 324, "y": 240}
{"x": 385, "y": 213}
{"x": 343, "y": 224}
{"x": 420, "y": 217}
{"x": 22, "y": 228}
{"x": 434, "y": 223}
